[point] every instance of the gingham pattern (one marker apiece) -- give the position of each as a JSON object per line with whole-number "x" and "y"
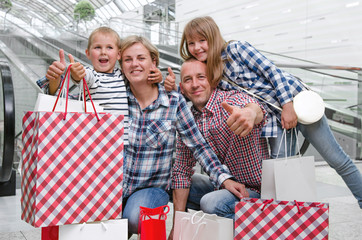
{"x": 248, "y": 68}
{"x": 148, "y": 158}
{"x": 256, "y": 219}
{"x": 242, "y": 155}
{"x": 72, "y": 169}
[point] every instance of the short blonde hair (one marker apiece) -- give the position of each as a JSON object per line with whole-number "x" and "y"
{"x": 104, "y": 30}
{"x": 133, "y": 39}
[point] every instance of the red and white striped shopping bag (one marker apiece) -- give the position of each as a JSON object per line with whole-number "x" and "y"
{"x": 72, "y": 168}
{"x": 269, "y": 219}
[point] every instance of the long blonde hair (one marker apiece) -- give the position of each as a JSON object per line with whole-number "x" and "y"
{"x": 207, "y": 28}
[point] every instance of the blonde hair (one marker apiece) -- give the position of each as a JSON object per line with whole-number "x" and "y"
{"x": 104, "y": 30}
{"x": 130, "y": 40}
{"x": 207, "y": 28}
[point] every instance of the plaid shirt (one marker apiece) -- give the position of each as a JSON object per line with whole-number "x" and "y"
{"x": 248, "y": 68}
{"x": 152, "y": 137}
{"x": 242, "y": 155}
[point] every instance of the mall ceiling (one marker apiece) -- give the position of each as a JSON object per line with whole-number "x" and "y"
{"x": 59, "y": 13}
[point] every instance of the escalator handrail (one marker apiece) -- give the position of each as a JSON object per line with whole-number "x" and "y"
{"x": 9, "y": 121}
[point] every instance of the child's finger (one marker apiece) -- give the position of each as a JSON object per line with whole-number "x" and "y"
{"x": 61, "y": 57}
{"x": 71, "y": 58}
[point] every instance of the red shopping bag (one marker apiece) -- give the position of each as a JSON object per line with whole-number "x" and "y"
{"x": 72, "y": 167}
{"x": 50, "y": 233}
{"x": 269, "y": 219}
{"x": 152, "y": 224}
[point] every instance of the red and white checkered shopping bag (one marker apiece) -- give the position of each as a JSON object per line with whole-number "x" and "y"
{"x": 72, "y": 169}
{"x": 269, "y": 219}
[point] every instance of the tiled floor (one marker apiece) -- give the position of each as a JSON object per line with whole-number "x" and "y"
{"x": 345, "y": 215}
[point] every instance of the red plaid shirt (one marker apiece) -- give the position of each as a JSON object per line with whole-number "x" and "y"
{"x": 242, "y": 155}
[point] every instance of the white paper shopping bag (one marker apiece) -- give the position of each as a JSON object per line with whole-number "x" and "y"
{"x": 289, "y": 179}
{"x": 194, "y": 225}
{"x": 46, "y": 103}
{"x": 111, "y": 230}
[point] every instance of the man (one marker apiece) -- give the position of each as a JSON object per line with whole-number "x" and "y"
{"x": 231, "y": 123}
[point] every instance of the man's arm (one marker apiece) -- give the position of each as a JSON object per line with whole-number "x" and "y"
{"x": 243, "y": 119}
{"x": 179, "y": 199}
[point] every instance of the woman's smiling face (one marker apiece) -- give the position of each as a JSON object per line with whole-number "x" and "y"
{"x": 136, "y": 63}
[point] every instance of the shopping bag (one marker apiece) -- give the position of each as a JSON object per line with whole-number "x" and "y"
{"x": 72, "y": 167}
{"x": 270, "y": 219}
{"x": 152, "y": 224}
{"x": 111, "y": 230}
{"x": 289, "y": 178}
{"x": 202, "y": 226}
{"x": 45, "y": 102}
{"x": 49, "y": 103}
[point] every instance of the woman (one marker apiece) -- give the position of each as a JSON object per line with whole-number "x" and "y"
{"x": 155, "y": 116}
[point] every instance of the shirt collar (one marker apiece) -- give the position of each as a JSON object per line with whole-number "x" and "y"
{"x": 209, "y": 107}
{"x": 162, "y": 99}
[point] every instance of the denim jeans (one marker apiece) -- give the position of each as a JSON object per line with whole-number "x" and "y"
{"x": 147, "y": 197}
{"x": 220, "y": 202}
{"x": 321, "y": 137}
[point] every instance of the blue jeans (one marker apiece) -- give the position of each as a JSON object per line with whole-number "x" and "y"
{"x": 321, "y": 137}
{"x": 220, "y": 202}
{"x": 147, "y": 197}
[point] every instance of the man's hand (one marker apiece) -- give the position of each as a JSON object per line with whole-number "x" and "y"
{"x": 77, "y": 70}
{"x": 170, "y": 237}
{"x": 155, "y": 76}
{"x": 241, "y": 120}
{"x": 170, "y": 81}
{"x": 236, "y": 188}
{"x": 289, "y": 117}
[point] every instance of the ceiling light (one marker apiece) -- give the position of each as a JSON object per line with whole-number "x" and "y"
{"x": 353, "y": 4}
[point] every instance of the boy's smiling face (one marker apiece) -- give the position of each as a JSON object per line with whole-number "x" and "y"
{"x": 103, "y": 52}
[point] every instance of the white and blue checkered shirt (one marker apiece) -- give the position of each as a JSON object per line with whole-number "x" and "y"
{"x": 248, "y": 68}
{"x": 152, "y": 139}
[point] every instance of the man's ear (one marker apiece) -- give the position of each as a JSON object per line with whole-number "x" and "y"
{"x": 181, "y": 89}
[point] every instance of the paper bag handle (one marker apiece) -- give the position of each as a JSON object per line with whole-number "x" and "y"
{"x": 85, "y": 87}
{"x": 198, "y": 226}
{"x": 284, "y": 136}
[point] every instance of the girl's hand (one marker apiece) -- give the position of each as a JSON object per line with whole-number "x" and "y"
{"x": 170, "y": 81}
{"x": 155, "y": 76}
{"x": 289, "y": 117}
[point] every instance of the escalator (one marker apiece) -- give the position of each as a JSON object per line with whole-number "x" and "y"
{"x": 7, "y": 131}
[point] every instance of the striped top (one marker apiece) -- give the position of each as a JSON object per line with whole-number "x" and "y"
{"x": 109, "y": 91}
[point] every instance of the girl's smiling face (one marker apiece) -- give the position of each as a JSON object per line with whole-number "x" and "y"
{"x": 198, "y": 47}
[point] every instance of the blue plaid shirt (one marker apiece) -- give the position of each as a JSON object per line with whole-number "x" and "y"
{"x": 248, "y": 68}
{"x": 152, "y": 138}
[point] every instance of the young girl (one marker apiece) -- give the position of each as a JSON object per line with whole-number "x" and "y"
{"x": 241, "y": 63}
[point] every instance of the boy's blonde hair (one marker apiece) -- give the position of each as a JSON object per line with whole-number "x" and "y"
{"x": 207, "y": 28}
{"x": 130, "y": 40}
{"x": 104, "y": 30}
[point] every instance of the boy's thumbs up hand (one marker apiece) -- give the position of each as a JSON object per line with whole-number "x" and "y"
{"x": 77, "y": 70}
{"x": 57, "y": 68}
{"x": 241, "y": 120}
